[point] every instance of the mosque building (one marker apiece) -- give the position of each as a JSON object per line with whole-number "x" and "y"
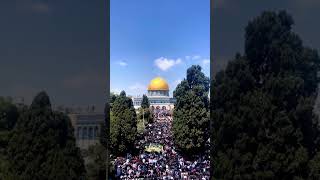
{"x": 87, "y": 128}
{"x": 158, "y": 95}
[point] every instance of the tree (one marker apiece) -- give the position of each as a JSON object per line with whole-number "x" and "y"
{"x": 42, "y": 144}
{"x": 191, "y": 112}
{"x": 145, "y": 102}
{"x": 148, "y": 115}
{"x": 105, "y": 137}
{"x": 262, "y": 106}
{"x": 96, "y": 167}
{"x": 41, "y": 101}
{"x": 112, "y": 98}
{"x": 123, "y": 125}
{"x": 145, "y": 110}
{"x": 9, "y": 114}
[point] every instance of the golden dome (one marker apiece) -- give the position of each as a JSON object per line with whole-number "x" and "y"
{"x": 157, "y": 84}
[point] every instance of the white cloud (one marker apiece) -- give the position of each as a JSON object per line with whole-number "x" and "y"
{"x": 122, "y": 63}
{"x": 196, "y": 57}
{"x": 115, "y": 90}
{"x": 205, "y": 61}
{"x": 137, "y": 87}
{"x": 165, "y": 64}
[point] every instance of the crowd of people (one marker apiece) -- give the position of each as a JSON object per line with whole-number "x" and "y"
{"x": 165, "y": 164}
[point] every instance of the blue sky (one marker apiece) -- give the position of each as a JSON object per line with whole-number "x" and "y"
{"x": 152, "y": 38}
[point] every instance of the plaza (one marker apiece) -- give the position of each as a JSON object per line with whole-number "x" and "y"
{"x": 157, "y": 156}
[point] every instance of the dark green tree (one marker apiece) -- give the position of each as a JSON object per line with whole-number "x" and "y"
{"x": 262, "y": 106}
{"x": 42, "y": 144}
{"x": 112, "y": 98}
{"x": 145, "y": 111}
{"x": 145, "y": 102}
{"x": 123, "y": 125}
{"x": 146, "y": 114}
{"x": 105, "y": 137}
{"x": 96, "y": 166}
{"x": 9, "y": 114}
{"x": 191, "y": 112}
{"x": 41, "y": 101}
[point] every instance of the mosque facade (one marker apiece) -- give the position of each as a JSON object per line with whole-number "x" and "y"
{"x": 158, "y": 95}
{"x": 87, "y": 128}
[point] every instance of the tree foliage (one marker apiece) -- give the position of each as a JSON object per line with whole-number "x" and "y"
{"x": 144, "y": 111}
{"x": 9, "y": 115}
{"x": 123, "y": 125}
{"x": 42, "y": 144}
{"x": 96, "y": 166}
{"x": 113, "y": 97}
{"x": 145, "y": 102}
{"x": 262, "y": 106}
{"x": 146, "y": 114}
{"x": 41, "y": 101}
{"x": 191, "y": 113}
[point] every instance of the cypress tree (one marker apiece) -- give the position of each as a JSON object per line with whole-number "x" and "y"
{"x": 262, "y": 106}
{"x": 123, "y": 125}
{"x": 191, "y": 113}
{"x": 42, "y": 144}
{"x": 9, "y": 115}
{"x": 145, "y": 102}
